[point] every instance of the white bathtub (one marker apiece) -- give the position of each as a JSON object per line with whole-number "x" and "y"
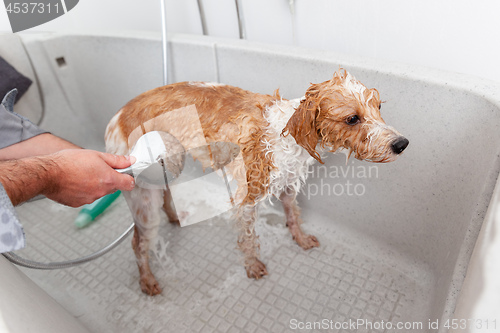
{"x": 396, "y": 239}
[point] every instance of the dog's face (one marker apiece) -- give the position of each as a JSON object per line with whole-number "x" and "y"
{"x": 343, "y": 113}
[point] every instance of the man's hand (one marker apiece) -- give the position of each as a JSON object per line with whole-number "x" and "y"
{"x": 82, "y": 176}
{"x": 72, "y": 177}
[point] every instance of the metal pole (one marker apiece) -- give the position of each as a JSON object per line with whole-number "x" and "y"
{"x": 202, "y": 18}
{"x": 164, "y": 42}
{"x": 241, "y": 21}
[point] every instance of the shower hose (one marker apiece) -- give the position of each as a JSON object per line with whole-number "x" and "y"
{"x": 14, "y": 258}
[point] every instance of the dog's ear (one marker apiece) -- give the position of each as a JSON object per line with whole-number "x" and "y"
{"x": 302, "y": 124}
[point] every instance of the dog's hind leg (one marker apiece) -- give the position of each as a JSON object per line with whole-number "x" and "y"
{"x": 145, "y": 208}
{"x": 293, "y": 220}
{"x": 168, "y": 207}
{"x": 248, "y": 242}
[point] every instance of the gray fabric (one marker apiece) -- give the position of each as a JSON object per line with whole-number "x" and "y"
{"x": 11, "y": 231}
{"x": 14, "y": 128}
{"x": 11, "y": 79}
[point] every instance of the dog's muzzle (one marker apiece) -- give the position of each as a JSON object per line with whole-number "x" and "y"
{"x": 399, "y": 145}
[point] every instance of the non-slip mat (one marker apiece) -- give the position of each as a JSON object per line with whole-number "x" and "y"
{"x": 205, "y": 288}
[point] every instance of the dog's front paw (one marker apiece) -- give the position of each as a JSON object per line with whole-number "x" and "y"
{"x": 307, "y": 241}
{"x": 149, "y": 285}
{"x": 256, "y": 269}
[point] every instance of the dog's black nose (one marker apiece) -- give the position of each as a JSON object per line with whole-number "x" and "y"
{"x": 399, "y": 145}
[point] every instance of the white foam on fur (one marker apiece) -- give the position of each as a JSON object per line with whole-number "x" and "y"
{"x": 291, "y": 160}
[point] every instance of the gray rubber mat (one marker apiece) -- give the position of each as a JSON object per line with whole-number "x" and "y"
{"x": 205, "y": 288}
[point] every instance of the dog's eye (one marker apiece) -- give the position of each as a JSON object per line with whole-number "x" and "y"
{"x": 352, "y": 120}
{"x": 380, "y": 106}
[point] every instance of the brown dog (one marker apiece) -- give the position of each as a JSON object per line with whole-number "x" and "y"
{"x": 278, "y": 139}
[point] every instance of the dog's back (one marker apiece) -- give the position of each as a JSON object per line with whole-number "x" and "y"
{"x": 225, "y": 112}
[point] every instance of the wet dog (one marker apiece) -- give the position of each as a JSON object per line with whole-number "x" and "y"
{"x": 278, "y": 139}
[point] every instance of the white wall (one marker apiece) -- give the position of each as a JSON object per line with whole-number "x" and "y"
{"x": 455, "y": 35}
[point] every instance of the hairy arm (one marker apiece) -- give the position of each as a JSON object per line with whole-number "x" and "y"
{"x": 72, "y": 177}
{"x": 26, "y": 178}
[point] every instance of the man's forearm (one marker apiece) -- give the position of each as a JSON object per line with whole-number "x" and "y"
{"x": 42, "y": 144}
{"x": 26, "y": 178}
{"x": 72, "y": 177}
